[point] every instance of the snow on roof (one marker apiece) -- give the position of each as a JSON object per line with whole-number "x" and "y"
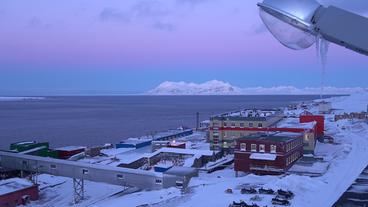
{"x": 289, "y": 134}
{"x": 181, "y": 171}
{"x": 33, "y": 150}
{"x": 263, "y": 156}
{"x": 164, "y": 165}
{"x": 113, "y": 152}
{"x": 135, "y": 140}
{"x": 13, "y": 184}
{"x": 185, "y": 151}
{"x": 294, "y": 123}
{"x": 70, "y": 148}
{"x": 25, "y": 142}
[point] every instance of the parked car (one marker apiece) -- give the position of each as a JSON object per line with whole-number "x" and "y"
{"x": 248, "y": 191}
{"x": 277, "y": 201}
{"x": 282, "y": 194}
{"x": 266, "y": 191}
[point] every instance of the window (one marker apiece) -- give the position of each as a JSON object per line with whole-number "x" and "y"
{"x": 250, "y": 124}
{"x": 243, "y": 147}
{"x": 179, "y": 184}
{"x": 241, "y": 124}
{"x": 84, "y": 171}
{"x": 120, "y": 177}
{"x": 158, "y": 181}
{"x": 225, "y": 145}
{"x": 53, "y": 167}
{"x": 225, "y": 124}
{"x": 254, "y": 148}
{"x": 260, "y": 125}
{"x": 233, "y": 124}
{"x": 273, "y": 149}
{"x": 261, "y": 148}
{"x": 215, "y": 124}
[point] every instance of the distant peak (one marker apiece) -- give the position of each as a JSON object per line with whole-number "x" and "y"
{"x": 217, "y": 87}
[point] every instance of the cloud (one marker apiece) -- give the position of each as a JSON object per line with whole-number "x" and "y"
{"x": 164, "y": 26}
{"x": 152, "y": 8}
{"x": 37, "y": 23}
{"x": 111, "y": 14}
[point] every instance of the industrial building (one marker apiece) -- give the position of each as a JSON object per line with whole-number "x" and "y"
{"x": 134, "y": 143}
{"x": 34, "y": 148}
{"x": 69, "y": 151}
{"x": 226, "y": 128}
{"x": 156, "y": 145}
{"x": 267, "y": 153}
{"x": 16, "y": 191}
{"x": 84, "y": 171}
{"x": 324, "y": 107}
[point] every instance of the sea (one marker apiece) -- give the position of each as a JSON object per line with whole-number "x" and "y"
{"x": 96, "y": 120}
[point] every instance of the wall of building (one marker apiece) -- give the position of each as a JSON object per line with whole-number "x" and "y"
{"x": 16, "y": 198}
{"x": 287, "y": 153}
{"x": 320, "y": 127}
{"x": 222, "y": 139}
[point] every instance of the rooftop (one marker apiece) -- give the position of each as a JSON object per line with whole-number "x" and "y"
{"x": 70, "y": 148}
{"x": 295, "y": 123}
{"x": 273, "y": 137}
{"x": 13, "y": 184}
{"x": 135, "y": 141}
{"x": 249, "y": 114}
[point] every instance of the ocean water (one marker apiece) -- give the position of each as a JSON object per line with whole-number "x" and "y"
{"x": 94, "y": 120}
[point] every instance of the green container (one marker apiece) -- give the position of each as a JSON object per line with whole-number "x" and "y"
{"x": 24, "y": 146}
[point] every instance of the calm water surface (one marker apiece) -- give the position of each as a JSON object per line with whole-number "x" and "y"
{"x": 92, "y": 120}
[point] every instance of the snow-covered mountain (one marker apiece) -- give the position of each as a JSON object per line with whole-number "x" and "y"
{"x": 216, "y": 87}
{"x": 183, "y": 88}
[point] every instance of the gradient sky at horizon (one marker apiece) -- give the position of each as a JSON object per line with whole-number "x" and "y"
{"x": 131, "y": 46}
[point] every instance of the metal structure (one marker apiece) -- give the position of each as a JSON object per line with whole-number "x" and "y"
{"x": 297, "y": 23}
{"x": 79, "y": 171}
{"x": 78, "y": 186}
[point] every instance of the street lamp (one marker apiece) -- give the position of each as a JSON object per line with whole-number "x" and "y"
{"x": 296, "y": 23}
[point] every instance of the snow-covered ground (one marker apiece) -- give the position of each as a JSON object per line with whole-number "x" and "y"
{"x": 346, "y": 161}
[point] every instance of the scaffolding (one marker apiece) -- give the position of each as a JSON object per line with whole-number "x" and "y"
{"x": 78, "y": 187}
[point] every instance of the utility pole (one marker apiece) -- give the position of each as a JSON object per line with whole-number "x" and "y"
{"x": 197, "y": 117}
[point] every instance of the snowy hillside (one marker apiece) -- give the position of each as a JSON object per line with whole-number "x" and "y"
{"x": 184, "y": 88}
{"x": 216, "y": 87}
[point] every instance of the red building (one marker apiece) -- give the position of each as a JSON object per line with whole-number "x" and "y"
{"x": 67, "y": 152}
{"x": 174, "y": 144}
{"x": 268, "y": 153}
{"x": 16, "y": 191}
{"x": 320, "y": 119}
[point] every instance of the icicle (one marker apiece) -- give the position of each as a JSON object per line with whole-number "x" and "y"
{"x": 322, "y": 49}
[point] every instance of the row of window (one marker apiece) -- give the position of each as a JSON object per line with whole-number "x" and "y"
{"x": 293, "y": 144}
{"x": 84, "y": 171}
{"x": 293, "y": 157}
{"x": 250, "y": 124}
{"x": 253, "y": 148}
{"x": 241, "y": 124}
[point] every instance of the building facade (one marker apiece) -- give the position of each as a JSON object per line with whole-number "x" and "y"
{"x": 16, "y": 191}
{"x": 226, "y": 128}
{"x": 267, "y": 153}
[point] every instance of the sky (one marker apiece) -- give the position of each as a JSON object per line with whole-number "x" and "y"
{"x": 131, "y": 46}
